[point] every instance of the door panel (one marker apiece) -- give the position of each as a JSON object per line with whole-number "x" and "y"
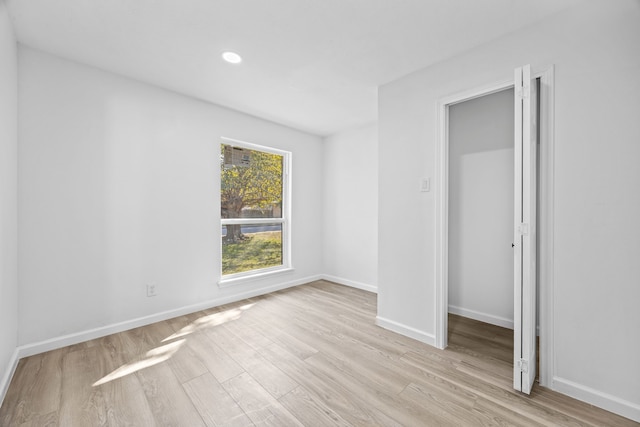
{"x": 525, "y": 230}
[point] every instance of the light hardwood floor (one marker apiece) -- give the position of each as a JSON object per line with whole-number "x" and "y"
{"x": 309, "y": 355}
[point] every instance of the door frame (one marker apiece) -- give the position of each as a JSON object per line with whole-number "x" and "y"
{"x": 545, "y": 213}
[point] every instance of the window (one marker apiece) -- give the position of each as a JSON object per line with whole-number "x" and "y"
{"x": 254, "y": 209}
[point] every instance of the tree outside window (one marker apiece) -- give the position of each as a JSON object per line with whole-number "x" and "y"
{"x": 251, "y": 201}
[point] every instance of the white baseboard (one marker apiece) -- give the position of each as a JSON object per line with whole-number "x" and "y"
{"x": 597, "y": 398}
{"x": 603, "y": 400}
{"x": 351, "y": 283}
{"x": 482, "y": 317}
{"x": 407, "y": 331}
{"x": 8, "y": 375}
{"x": 486, "y": 318}
{"x": 78, "y": 337}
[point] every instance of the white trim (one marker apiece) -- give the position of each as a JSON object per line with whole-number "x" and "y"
{"x": 482, "y": 317}
{"x": 442, "y": 202}
{"x": 78, "y": 337}
{"x": 405, "y": 330}
{"x": 251, "y": 221}
{"x": 285, "y": 220}
{"x": 442, "y": 226}
{"x": 470, "y": 94}
{"x": 520, "y": 258}
{"x": 249, "y": 276}
{"x": 8, "y": 375}
{"x": 252, "y": 146}
{"x": 350, "y": 283}
{"x": 546, "y": 227}
{"x": 597, "y": 398}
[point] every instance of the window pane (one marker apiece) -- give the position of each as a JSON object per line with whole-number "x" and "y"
{"x": 250, "y": 183}
{"x": 255, "y": 246}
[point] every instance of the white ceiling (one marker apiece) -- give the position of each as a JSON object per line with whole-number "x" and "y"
{"x": 314, "y": 65}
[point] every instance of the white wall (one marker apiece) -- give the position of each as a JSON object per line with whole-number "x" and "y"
{"x": 8, "y": 198}
{"x": 351, "y": 207}
{"x": 596, "y": 245}
{"x": 119, "y": 187}
{"x": 481, "y": 208}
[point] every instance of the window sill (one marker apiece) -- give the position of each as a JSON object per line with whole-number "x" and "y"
{"x": 236, "y": 280}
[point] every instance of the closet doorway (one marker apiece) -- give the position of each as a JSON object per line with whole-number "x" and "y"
{"x": 487, "y": 214}
{"x": 480, "y": 229}
{"x": 481, "y": 194}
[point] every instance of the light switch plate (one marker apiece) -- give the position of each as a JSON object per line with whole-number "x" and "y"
{"x": 425, "y": 185}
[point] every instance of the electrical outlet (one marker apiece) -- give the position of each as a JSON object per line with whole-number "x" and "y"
{"x": 152, "y": 290}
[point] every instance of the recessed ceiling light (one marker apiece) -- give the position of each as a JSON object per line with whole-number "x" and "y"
{"x": 232, "y": 57}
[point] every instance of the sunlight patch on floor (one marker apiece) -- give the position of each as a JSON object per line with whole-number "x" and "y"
{"x": 151, "y": 358}
{"x": 210, "y": 320}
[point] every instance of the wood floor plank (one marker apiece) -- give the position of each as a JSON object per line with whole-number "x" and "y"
{"x": 276, "y": 328}
{"x": 169, "y": 403}
{"x": 124, "y": 400}
{"x": 445, "y": 408}
{"x": 497, "y": 415}
{"x": 47, "y": 420}
{"x": 140, "y": 340}
{"x": 376, "y": 376}
{"x": 251, "y": 336}
{"x": 326, "y": 388}
{"x": 311, "y": 410}
{"x": 82, "y": 404}
{"x": 217, "y": 361}
{"x": 472, "y": 346}
{"x": 266, "y": 374}
{"x": 182, "y": 360}
{"x": 148, "y": 351}
{"x": 383, "y": 407}
{"x": 262, "y": 408}
{"x": 317, "y": 318}
{"x": 490, "y": 371}
{"x": 184, "y": 325}
{"x": 295, "y": 345}
{"x": 186, "y": 365}
{"x": 308, "y": 355}
{"x": 38, "y": 394}
{"x": 215, "y": 405}
{"x": 519, "y": 403}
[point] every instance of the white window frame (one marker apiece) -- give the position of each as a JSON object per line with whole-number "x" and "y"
{"x": 231, "y": 279}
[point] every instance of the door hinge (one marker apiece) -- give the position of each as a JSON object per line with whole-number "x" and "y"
{"x": 522, "y": 365}
{"x": 523, "y": 91}
{"x": 523, "y": 229}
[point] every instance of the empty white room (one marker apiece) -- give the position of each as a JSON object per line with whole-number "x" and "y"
{"x": 304, "y": 212}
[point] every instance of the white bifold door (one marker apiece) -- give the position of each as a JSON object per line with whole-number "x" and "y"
{"x": 524, "y": 247}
